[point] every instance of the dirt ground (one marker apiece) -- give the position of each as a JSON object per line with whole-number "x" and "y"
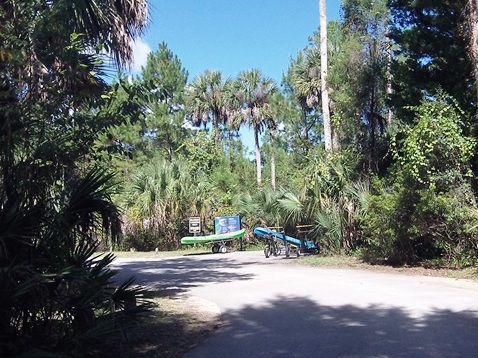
{"x": 176, "y": 325}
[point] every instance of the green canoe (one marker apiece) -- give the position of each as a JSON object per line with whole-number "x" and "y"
{"x": 189, "y": 240}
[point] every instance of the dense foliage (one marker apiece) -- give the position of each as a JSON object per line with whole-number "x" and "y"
{"x": 428, "y": 210}
{"x": 401, "y": 108}
{"x": 57, "y": 298}
{"x": 397, "y": 186}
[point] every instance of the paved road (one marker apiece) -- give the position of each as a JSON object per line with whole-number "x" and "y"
{"x": 275, "y": 308}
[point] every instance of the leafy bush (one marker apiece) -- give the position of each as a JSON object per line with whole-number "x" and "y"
{"x": 410, "y": 227}
{"x": 57, "y": 297}
{"x": 380, "y": 228}
{"x": 429, "y": 211}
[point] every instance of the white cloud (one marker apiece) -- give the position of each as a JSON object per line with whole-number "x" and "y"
{"x": 140, "y": 54}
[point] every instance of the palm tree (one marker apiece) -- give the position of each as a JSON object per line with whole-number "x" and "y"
{"x": 205, "y": 100}
{"x": 53, "y": 45}
{"x": 159, "y": 197}
{"x": 262, "y": 208}
{"x": 114, "y": 23}
{"x": 280, "y": 112}
{"x": 63, "y": 35}
{"x": 304, "y": 79}
{"x": 54, "y": 211}
{"x": 253, "y": 93}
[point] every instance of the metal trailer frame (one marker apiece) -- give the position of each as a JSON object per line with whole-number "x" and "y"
{"x": 275, "y": 245}
{"x": 220, "y": 246}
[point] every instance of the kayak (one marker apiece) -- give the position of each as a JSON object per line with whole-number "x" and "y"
{"x": 203, "y": 239}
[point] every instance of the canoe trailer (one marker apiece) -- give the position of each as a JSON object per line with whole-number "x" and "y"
{"x": 276, "y": 246}
{"x": 219, "y": 246}
{"x": 278, "y": 242}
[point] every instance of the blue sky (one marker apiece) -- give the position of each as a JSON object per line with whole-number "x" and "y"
{"x": 232, "y": 35}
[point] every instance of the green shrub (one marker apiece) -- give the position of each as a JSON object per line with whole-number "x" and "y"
{"x": 429, "y": 211}
{"x": 410, "y": 226}
{"x": 380, "y": 229}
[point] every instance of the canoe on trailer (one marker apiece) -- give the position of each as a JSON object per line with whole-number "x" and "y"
{"x": 189, "y": 240}
{"x": 266, "y": 233}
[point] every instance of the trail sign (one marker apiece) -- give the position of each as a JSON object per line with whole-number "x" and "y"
{"x": 194, "y": 225}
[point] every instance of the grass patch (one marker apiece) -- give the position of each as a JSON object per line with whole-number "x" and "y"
{"x": 197, "y": 249}
{"x": 160, "y": 254}
{"x": 332, "y": 261}
{"x": 353, "y": 262}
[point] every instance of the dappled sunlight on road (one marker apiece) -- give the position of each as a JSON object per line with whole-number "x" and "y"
{"x": 271, "y": 308}
{"x": 299, "y": 327}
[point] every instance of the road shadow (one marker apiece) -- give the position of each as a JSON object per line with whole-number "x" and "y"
{"x": 298, "y": 327}
{"x": 178, "y": 275}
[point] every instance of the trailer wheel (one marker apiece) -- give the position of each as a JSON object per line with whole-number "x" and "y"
{"x": 223, "y": 249}
{"x": 275, "y": 249}
{"x": 215, "y": 248}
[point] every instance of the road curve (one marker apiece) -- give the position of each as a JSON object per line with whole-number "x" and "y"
{"x": 275, "y": 308}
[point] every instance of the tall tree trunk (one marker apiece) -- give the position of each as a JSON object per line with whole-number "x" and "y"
{"x": 323, "y": 76}
{"x": 373, "y": 124}
{"x": 473, "y": 48}
{"x": 388, "y": 44}
{"x": 258, "y": 157}
{"x": 273, "y": 164}
{"x": 217, "y": 137}
{"x": 335, "y": 139}
{"x": 273, "y": 171}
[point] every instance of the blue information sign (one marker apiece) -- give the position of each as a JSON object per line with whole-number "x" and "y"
{"x": 225, "y": 224}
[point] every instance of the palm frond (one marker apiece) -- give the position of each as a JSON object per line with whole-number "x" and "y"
{"x": 114, "y": 23}
{"x": 328, "y": 227}
{"x": 292, "y": 207}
